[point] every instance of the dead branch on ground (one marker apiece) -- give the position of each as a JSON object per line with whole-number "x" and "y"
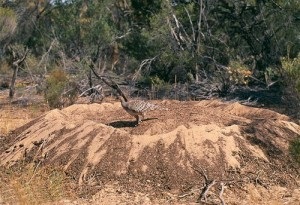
{"x": 208, "y": 185}
{"x": 203, "y": 194}
{"x": 97, "y": 94}
{"x": 221, "y": 193}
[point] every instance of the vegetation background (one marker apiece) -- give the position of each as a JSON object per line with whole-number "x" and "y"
{"x": 217, "y": 46}
{"x": 246, "y": 50}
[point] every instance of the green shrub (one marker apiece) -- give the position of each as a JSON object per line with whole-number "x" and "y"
{"x": 153, "y": 81}
{"x": 291, "y": 82}
{"x": 158, "y": 87}
{"x": 55, "y": 86}
{"x": 291, "y": 68}
{"x": 8, "y": 22}
{"x": 295, "y": 149}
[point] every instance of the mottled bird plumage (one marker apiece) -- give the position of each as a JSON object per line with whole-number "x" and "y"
{"x": 138, "y": 108}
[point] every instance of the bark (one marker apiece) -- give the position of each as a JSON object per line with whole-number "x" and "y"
{"x": 13, "y": 81}
{"x": 16, "y": 64}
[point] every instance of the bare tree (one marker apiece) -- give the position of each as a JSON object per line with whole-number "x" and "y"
{"x": 16, "y": 60}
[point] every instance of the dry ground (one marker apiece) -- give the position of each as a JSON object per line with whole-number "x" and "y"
{"x": 162, "y": 161}
{"x": 15, "y": 115}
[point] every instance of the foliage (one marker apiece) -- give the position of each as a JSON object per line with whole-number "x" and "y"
{"x": 8, "y": 23}
{"x": 56, "y": 83}
{"x": 188, "y": 41}
{"x": 291, "y": 83}
{"x": 259, "y": 29}
{"x": 153, "y": 81}
{"x": 295, "y": 149}
{"x": 238, "y": 73}
{"x": 292, "y": 69}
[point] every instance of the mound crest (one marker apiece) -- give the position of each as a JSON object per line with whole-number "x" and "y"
{"x": 164, "y": 151}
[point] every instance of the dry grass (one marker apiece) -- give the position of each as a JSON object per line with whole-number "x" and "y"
{"x": 10, "y": 121}
{"x": 29, "y": 184}
{"x": 13, "y": 116}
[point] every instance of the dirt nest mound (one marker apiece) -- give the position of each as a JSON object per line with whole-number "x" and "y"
{"x": 171, "y": 150}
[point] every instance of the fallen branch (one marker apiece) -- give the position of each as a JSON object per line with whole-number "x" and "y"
{"x": 97, "y": 87}
{"x": 221, "y": 193}
{"x": 185, "y": 195}
{"x": 208, "y": 185}
{"x": 205, "y": 190}
{"x": 202, "y": 173}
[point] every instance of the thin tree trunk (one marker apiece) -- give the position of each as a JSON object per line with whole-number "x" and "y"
{"x": 13, "y": 82}
{"x": 15, "y": 65}
{"x": 90, "y": 81}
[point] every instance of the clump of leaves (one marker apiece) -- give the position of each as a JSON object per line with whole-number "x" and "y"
{"x": 295, "y": 149}
{"x": 238, "y": 73}
{"x": 291, "y": 81}
{"x": 56, "y": 83}
{"x": 158, "y": 87}
{"x": 153, "y": 81}
{"x": 291, "y": 68}
{"x": 8, "y": 22}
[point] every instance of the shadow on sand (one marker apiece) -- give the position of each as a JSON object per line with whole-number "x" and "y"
{"x": 121, "y": 124}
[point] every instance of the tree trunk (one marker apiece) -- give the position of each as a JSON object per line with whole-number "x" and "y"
{"x": 15, "y": 65}
{"x": 13, "y": 81}
{"x": 90, "y": 82}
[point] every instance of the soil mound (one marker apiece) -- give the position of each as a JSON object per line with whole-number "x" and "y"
{"x": 171, "y": 150}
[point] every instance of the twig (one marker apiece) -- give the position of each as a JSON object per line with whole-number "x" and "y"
{"x": 34, "y": 172}
{"x": 193, "y": 30}
{"x": 146, "y": 62}
{"x": 185, "y": 195}
{"x": 123, "y": 36}
{"x": 208, "y": 185}
{"x": 173, "y": 33}
{"x": 42, "y": 145}
{"x": 221, "y": 193}
{"x": 205, "y": 190}
{"x": 97, "y": 87}
{"x": 202, "y": 173}
{"x": 110, "y": 83}
{"x": 46, "y": 54}
{"x": 19, "y": 61}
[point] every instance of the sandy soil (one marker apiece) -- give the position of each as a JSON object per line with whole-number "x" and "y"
{"x": 166, "y": 159}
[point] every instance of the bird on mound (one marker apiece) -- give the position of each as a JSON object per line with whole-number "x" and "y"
{"x": 138, "y": 108}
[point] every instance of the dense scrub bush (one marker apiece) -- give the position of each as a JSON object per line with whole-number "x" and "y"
{"x": 8, "y": 22}
{"x": 295, "y": 149}
{"x": 291, "y": 67}
{"x": 291, "y": 81}
{"x": 59, "y": 89}
{"x": 55, "y": 84}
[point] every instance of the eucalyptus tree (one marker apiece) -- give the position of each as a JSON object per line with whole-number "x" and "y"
{"x": 261, "y": 29}
{"x": 199, "y": 36}
{"x": 17, "y": 25}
